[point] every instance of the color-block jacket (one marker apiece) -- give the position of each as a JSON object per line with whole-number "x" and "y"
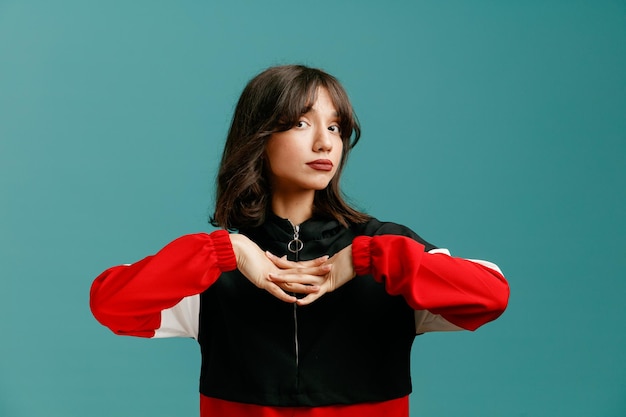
{"x": 346, "y": 353}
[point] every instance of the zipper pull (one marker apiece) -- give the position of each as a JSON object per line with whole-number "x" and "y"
{"x": 295, "y": 245}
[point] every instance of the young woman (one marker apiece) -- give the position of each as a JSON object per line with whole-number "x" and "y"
{"x": 312, "y": 307}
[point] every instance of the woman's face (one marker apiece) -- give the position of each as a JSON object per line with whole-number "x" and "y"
{"x": 306, "y": 157}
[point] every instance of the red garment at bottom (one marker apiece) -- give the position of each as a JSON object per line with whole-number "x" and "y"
{"x": 212, "y": 407}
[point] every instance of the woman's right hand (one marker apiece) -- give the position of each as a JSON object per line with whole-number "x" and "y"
{"x": 255, "y": 265}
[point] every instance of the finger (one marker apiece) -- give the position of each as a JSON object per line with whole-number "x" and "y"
{"x": 277, "y": 292}
{"x": 298, "y": 288}
{"x": 281, "y": 262}
{"x": 296, "y": 278}
{"x": 314, "y": 271}
{"x": 314, "y": 262}
{"x": 309, "y": 298}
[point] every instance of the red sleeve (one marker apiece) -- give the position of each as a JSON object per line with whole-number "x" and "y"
{"x": 128, "y": 299}
{"x": 466, "y": 293}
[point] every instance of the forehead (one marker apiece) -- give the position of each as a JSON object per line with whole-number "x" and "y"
{"x": 322, "y": 103}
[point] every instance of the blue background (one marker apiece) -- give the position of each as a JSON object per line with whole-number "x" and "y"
{"x": 494, "y": 128}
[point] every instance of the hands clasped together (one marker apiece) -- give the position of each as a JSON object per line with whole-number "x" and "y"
{"x": 283, "y": 278}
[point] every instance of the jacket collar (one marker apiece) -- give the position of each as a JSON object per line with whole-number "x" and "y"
{"x": 316, "y": 233}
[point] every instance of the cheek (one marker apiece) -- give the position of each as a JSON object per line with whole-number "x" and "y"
{"x": 278, "y": 159}
{"x": 339, "y": 148}
{"x": 272, "y": 152}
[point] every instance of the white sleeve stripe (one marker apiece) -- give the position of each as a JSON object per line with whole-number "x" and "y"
{"x": 440, "y": 250}
{"x": 182, "y": 320}
{"x": 488, "y": 264}
{"x": 425, "y": 321}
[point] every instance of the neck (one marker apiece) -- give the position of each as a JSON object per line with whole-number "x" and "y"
{"x": 295, "y": 207}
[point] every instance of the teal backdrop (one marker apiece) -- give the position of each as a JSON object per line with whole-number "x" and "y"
{"x": 494, "y": 128}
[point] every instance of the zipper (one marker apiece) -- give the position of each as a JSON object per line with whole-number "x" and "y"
{"x": 294, "y": 246}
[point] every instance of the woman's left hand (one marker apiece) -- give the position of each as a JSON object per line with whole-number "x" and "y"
{"x": 340, "y": 270}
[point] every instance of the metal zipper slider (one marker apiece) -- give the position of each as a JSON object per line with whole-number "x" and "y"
{"x": 295, "y": 245}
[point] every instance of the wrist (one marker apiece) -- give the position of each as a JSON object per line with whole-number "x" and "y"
{"x": 238, "y": 243}
{"x": 235, "y": 241}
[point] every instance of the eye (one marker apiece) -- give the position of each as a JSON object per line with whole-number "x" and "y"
{"x": 334, "y": 129}
{"x": 301, "y": 123}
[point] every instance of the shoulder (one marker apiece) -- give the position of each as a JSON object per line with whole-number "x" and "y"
{"x": 375, "y": 227}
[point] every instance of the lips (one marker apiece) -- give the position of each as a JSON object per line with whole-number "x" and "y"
{"x": 321, "y": 165}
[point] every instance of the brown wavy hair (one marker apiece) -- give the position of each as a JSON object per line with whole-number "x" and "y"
{"x": 271, "y": 102}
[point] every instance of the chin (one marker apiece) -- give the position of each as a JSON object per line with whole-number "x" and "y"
{"x": 320, "y": 187}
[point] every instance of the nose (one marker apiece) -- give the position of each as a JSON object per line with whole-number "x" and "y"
{"x": 323, "y": 140}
